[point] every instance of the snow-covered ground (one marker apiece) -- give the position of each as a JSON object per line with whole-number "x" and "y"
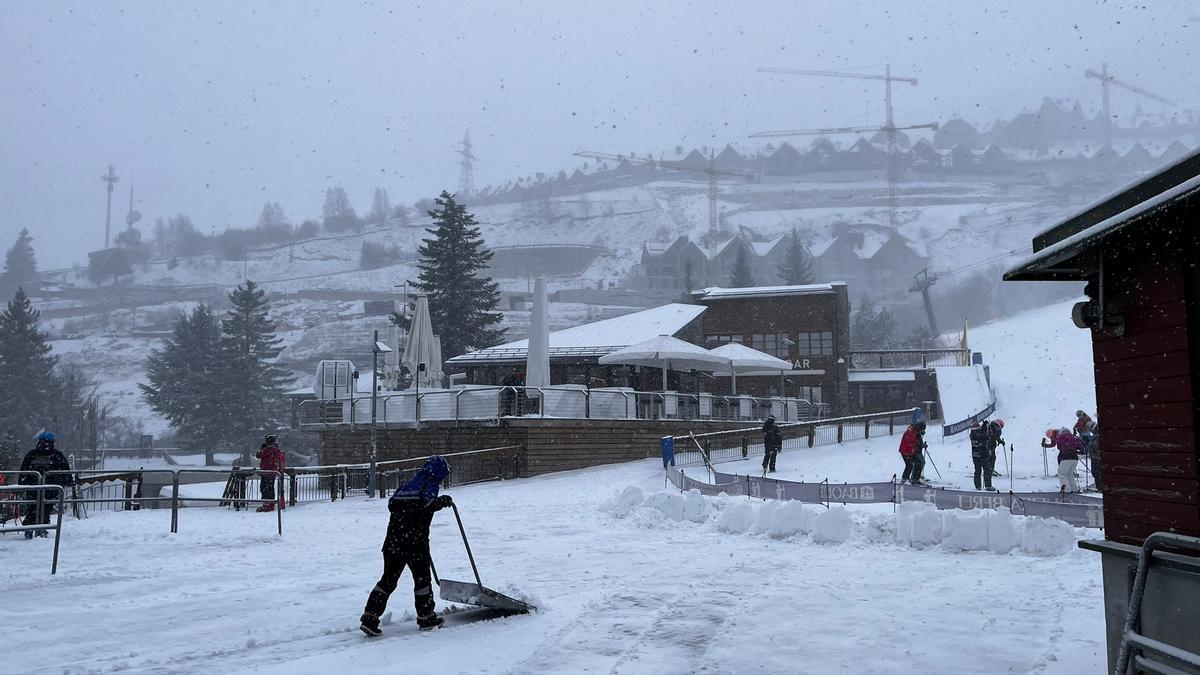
{"x": 640, "y": 585}
{"x": 641, "y": 593}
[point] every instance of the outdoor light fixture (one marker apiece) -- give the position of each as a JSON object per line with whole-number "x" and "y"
{"x": 382, "y": 347}
{"x": 1094, "y": 313}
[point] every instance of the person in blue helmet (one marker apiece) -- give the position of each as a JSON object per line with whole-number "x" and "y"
{"x": 407, "y": 545}
{"x": 42, "y": 458}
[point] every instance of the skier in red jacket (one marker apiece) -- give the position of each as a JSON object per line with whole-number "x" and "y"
{"x": 911, "y": 446}
{"x": 270, "y": 458}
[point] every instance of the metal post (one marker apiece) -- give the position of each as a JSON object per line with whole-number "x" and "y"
{"x": 372, "y": 477}
{"x": 279, "y": 506}
{"x": 57, "y": 531}
{"x": 174, "y": 502}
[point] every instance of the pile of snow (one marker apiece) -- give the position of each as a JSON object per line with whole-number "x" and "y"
{"x": 915, "y": 525}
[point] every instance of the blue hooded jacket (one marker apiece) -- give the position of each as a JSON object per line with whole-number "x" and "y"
{"x": 426, "y": 483}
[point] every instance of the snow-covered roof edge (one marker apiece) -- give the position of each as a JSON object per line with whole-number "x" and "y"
{"x": 719, "y": 293}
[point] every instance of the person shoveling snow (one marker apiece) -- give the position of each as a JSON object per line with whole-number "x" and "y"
{"x": 407, "y": 545}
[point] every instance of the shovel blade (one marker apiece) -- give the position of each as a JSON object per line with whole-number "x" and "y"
{"x": 466, "y": 593}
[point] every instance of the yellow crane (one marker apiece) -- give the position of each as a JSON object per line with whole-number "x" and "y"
{"x": 889, "y": 126}
{"x": 711, "y": 171}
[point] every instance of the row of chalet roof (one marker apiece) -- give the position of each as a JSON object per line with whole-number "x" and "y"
{"x": 824, "y": 155}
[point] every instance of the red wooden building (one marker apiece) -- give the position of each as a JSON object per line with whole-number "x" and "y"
{"x": 1139, "y": 253}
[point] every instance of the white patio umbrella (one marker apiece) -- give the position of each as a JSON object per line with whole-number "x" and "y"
{"x": 743, "y": 360}
{"x": 422, "y": 348}
{"x": 537, "y": 360}
{"x": 668, "y": 353}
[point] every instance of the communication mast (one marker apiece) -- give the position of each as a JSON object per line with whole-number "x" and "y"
{"x": 111, "y": 178}
{"x": 466, "y": 165}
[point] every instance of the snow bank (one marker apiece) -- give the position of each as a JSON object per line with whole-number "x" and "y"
{"x": 833, "y": 526}
{"x": 1047, "y": 537}
{"x": 916, "y": 525}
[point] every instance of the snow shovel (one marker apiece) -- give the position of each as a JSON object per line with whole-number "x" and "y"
{"x": 466, "y": 593}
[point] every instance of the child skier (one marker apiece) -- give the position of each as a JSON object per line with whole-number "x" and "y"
{"x": 407, "y": 545}
{"x": 270, "y": 458}
{"x": 911, "y": 445}
{"x": 1069, "y": 447}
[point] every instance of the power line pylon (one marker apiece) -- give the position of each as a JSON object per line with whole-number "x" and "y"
{"x": 922, "y": 281}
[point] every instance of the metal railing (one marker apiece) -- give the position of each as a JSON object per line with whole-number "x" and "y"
{"x": 320, "y": 483}
{"x": 908, "y": 359}
{"x": 40, "y": 505}
{"x": 737, "y": 444}
{"x": 486, "y": 403}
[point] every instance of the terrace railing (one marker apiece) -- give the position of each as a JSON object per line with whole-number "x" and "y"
{"x": 561, "y": 402}
{"x": 908, "y": 359}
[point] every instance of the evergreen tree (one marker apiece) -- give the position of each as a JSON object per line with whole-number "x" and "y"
{"x": 338, "y": 214}
{"x": 688, "y": 282}
{"x": 20, "y": 267}
{"x": 253, "y": 383}
{"x": 185, "y": 381}
{"x": 796, "y": 267}
{"x": 381, "y": 206}
{"x": 743, "y": 275}
{"x": 462, "y": 304}
{"x": 27, "y": 379}
{"x": 11, "y": 453}
{"x": 873, "y": 329}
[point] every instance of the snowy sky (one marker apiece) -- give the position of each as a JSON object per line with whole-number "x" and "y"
{"x": 216, "y": 107}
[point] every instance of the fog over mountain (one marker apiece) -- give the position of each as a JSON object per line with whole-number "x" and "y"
{"x": 212, "y": 109}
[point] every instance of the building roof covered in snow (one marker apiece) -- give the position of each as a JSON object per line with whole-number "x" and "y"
{"x": 597, "y": 338}
{"x": 763, "y": 291}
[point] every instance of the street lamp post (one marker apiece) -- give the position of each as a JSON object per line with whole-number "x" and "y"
{"x": 377, "y": 348}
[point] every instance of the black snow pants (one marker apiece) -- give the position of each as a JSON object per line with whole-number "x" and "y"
{"x": 769, "y": 459}
{"x": 393, "y": 567}
{"x": 266, "y": 486}
{"x": 914, "y": 465}
{"x": 984, "y": 465}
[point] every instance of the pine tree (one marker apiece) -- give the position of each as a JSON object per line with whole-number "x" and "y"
{"x": 381, "y": 206}
{"x": 743, "y": 275}
{"x": 27, "y": 379}
{"x": 338, "y": 214}
{"x": 796, "y": 267}
{"x": 20, "y": 267}
{"x": 11, "y": 453}
{"x": 253, "y": 383}
{"x": 462, "y": 304}
{"x": 873, "y": 329}
{"x": 185, "y": 381}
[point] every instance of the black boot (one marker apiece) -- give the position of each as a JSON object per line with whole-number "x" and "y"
{"x": 430, "y": 622}
{"x": 369, "y": 624}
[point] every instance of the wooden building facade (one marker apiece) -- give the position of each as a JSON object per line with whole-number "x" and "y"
{"x": 1139, "y": 253}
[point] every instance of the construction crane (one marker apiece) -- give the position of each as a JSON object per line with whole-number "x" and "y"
{"x": 711, "y": 171}
{"x": 889, "y": 126}
{"x": 1107, "y": 79}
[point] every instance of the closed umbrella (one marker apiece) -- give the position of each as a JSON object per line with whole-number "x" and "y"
{"x": 537, "y": 360}
{"x": 422, "y": 348}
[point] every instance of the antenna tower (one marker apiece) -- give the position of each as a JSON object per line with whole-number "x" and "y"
{"x": 466, "y": 164}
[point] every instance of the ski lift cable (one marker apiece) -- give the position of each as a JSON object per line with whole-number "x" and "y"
{"x": 981, "y": 263}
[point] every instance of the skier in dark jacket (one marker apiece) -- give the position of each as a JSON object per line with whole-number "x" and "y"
{"x": 772, "y": 444}
{"x": 407, "y": 545}
{"x": 42, "y": 458}
{"x": 984, "y": 439}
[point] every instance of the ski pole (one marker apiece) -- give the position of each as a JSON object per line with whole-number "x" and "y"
{"x": 931, "y": 463}
{"x": 1011, "y": 463}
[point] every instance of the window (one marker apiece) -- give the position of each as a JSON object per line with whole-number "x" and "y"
{"x": 775, "y": 344}
{"x": 815, "y": 344}
{"x": 810, "y": 394}
{"x": 711, "y": 341}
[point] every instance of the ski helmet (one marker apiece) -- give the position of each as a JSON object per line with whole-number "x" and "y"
{"x": 920, "y": 426}
{"x": 999, "y": 423}
{"x": 46, "y": 437}
{"x": 1064, "y": 430}
{"x": 270, "y": 439}
{"x": 1080, "y": 413}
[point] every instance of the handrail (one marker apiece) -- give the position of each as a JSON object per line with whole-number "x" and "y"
{"x": 365, "y": 465}
{"x": 40, "y": 502}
